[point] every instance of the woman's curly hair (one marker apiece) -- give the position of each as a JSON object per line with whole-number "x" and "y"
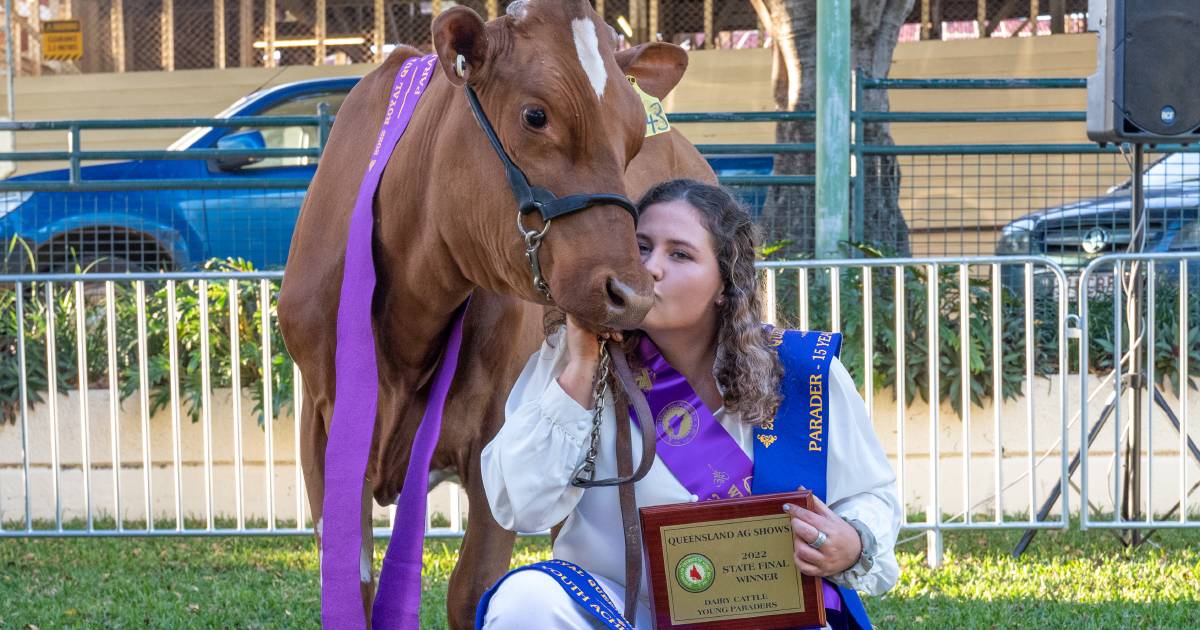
{"x": 746, "y": 368}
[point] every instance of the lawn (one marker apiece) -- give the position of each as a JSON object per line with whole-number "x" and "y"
{"x": 1067, "y": 579}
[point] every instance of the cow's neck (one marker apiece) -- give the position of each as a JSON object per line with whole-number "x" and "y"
{"x": 421, "y": 276}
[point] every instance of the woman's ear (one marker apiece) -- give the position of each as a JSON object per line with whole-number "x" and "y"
{"x": 460, "y": 39}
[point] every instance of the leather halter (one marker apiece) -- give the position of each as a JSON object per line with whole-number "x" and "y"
{"x": 536, "y": 199}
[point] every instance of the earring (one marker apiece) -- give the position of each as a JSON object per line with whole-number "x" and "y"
{"x": 460, "y": 66}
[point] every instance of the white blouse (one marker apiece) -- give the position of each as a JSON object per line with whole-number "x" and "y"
{"x": 527, "y": 470}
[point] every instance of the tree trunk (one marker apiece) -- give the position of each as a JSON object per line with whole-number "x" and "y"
{"x": 788, "y": 215}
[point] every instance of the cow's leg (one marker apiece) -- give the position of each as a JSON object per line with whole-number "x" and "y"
{"x": 313, "y": 437}
{"x": 485, "y": 554}
{"x": 367, "y": 557}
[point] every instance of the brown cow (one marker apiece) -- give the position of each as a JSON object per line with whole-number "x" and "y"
{"x": 444, "y": 219}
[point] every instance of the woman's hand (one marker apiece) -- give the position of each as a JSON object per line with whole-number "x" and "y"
{"x": 583, "y": 356}
{"x": 841, "y": 549}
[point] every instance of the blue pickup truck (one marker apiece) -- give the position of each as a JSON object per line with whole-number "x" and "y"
{"x": 146, "y": 229}
{"x": 143, "y": 229}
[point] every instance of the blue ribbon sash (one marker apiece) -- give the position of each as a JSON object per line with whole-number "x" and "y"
{"x": 576, "y": 582}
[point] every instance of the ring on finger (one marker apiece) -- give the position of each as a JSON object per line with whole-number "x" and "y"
{"x": 819, "y": 541}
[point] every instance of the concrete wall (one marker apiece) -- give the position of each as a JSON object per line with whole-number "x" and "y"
{"x": 916, "y": 480}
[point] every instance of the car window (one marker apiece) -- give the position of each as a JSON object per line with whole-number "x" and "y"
{"x": 296, "y": 137}
{"x": 1173, "y": 169}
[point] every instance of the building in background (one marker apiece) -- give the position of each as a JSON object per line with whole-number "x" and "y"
{"x": 144, "y": 35}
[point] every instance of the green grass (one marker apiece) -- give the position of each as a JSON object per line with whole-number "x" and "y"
{"x": 1067, "y": 579}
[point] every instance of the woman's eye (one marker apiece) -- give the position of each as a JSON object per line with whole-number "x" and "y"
{"x": 643, "y": 248}
{"x": 535, "y": 117}
{"x": 680, "y": 254}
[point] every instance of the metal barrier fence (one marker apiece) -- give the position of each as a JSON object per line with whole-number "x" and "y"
{"x": 1148, "y": 362}
{"x": 157, "y": 354}
{"x": 137, "y": 347}
{"x": 117, "y": 397}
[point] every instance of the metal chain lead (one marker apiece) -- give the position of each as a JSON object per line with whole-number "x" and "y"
{"x": 586, "y": 472}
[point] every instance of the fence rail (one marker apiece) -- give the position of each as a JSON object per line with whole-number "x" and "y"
{"x": 954, "y": 199}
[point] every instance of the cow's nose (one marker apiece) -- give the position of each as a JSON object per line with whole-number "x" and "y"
{"x": 626, "y": 307}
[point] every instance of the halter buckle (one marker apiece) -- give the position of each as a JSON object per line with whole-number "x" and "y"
{"x": 533, "y": 242}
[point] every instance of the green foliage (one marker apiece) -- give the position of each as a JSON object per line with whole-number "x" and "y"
{"x": 57, "y": 306}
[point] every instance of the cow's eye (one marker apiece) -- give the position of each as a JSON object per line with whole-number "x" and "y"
{"x": 535, "y": 117}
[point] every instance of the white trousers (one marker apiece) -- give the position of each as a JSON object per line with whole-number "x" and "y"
{"x": 532, "y": 599}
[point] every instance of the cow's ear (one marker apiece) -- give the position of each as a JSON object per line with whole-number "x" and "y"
{"x": 460, "y": 39}
{"x": 657, "y": 66}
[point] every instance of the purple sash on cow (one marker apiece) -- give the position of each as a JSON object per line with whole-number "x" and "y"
{"x": 397, "y": 601}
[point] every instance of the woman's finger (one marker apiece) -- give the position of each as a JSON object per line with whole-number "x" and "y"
{"x": 805, "y": 531}
{"x": 810, "y": 517}
{"x": 805, "y": 553}
{"x": 809, "y": 569}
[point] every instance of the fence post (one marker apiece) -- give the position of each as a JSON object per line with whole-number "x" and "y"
{"x": 833, "y": 127}
{"x": 73, "y": 138}
{"x": 858, "y": 208}
{"x": 926, "y": 20}
{"x": 245, "y": 33}
{"x": 8, "y": 58}
{"x": 377, "y": 33}
{"x": 319, "y": 31}
{"x": 219, "y": 34}
{"x": 652, "y": 30}
{"x": 269, "y": 32}
{"x": 934, "y": 551}
{"x": 35, "y": 39}
{"x": 709, "y": 27}
{"x": 166, "y": 35}
{"x": 322, "y": 127}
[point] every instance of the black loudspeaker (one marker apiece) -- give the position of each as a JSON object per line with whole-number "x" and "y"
{"x": 1146, "y": 88}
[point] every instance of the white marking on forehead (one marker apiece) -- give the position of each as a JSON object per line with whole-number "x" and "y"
{"x": 588, "y": 49}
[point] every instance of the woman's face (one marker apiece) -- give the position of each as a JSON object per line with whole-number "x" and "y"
{"x": 677, "y": 250}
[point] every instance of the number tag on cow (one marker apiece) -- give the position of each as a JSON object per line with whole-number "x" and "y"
{"x": 656, "y": 116}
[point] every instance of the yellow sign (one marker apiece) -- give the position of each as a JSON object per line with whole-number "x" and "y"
{"x": 62, "y": 40}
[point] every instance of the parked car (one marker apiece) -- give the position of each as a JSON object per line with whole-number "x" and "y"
{"x": 144, "y": 230}
{"x": 1075, "y": 234}
{"x": 169, "y": 229}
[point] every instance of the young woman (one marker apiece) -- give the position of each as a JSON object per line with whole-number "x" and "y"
{"x": 705, "y": 326}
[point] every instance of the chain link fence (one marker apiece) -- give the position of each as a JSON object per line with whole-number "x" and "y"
{"x": 148, "y": 35}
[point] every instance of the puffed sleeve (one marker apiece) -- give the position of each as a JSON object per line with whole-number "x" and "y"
{"x": 527, "y": 467}
{"x": 861, "y": 484}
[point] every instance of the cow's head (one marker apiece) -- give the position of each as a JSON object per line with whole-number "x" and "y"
{"x": 549, "y": 82}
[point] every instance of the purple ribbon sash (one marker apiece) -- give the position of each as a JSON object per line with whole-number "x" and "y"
{"x": 695, "y": 447}
{"x": 355, "y": 404}
{"x": 699, "y": 452}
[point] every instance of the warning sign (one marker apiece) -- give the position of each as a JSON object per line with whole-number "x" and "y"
{"x": 62, "y": 40}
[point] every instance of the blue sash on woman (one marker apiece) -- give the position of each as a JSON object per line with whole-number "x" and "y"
{"x": 790, "y": 450}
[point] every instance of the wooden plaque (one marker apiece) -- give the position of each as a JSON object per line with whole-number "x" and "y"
{"x": 729, "y": 563}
